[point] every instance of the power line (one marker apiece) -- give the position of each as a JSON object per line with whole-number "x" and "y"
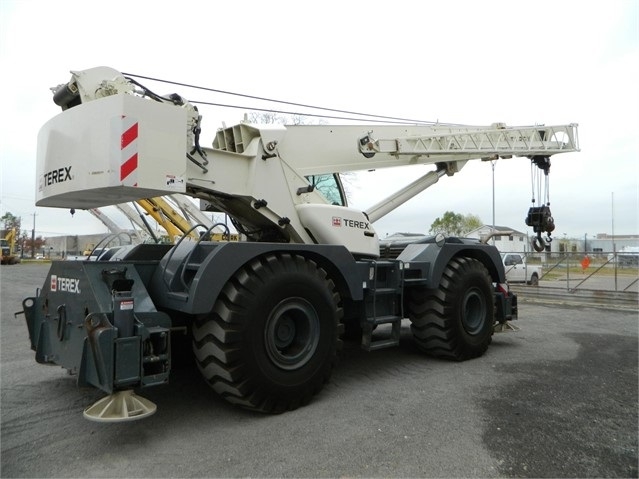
{"x": 17, "y": 197}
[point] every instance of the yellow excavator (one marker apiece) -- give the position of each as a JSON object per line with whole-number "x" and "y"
{"x": 8, "y": 245}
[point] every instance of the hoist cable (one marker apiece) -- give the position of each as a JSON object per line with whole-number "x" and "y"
{"x": 532, "y": 181}
{"x": 222, "y": 105}
{"x": 540, "y": 188}
{"x": 547, "y": 186}
{"x": 253, "y": 97}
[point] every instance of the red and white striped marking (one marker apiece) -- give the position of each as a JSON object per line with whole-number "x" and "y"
{"x": 129, "y": 152}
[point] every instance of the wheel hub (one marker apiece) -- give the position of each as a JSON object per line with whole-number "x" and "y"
{"x": 474, "y": 311}
{"x": 291, "y": 334}
{"x": 285, "y": 333}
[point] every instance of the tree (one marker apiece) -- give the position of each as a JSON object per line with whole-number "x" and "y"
{"x": 10, "y": 221}
{"x": 33, "y": 246}
{"x": 264, "y": 118}
{"x": 270, "y": 118}
{"x": 471, "y": 222}
{"x": 455, "y": 224}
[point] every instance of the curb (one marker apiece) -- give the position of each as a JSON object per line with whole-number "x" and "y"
{"x": 617, "y": 300}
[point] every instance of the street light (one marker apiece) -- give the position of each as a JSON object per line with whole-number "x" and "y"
{"x": 585, "y": 242}
{"x": 492, "y": 162}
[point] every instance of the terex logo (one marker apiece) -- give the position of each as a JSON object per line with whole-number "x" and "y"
{"x": 57, "y": 176}
{"x": 363, "y": 225}
{"x": 64, "y": 285}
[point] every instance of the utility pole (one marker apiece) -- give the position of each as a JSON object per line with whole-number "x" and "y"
{"x": 585, "y": 243}
{"x": 21, "y": 239}
{"x": 614, "y": 246}
{"x": 493, "y": 165}
{"x": 33, "y": 238}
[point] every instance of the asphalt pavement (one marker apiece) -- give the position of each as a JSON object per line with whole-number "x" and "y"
{"x": 559, "y": 398}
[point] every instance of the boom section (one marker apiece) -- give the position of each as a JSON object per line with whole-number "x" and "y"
{"x": 499, "y": 141}
{"x": 321, "y": 149}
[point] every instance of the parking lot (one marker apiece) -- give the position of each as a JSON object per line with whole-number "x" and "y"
{"x": 559, "y": 398}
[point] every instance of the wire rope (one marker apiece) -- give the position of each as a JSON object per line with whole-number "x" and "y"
{"x": 369, "y": 116}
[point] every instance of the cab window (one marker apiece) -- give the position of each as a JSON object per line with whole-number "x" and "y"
{"x": 513, "y": 259}
{"x": 330, "y": 186}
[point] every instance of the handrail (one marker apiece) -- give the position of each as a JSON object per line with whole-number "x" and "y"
{"x": 174, "y": 249}
{"x": 109, "y": 237}
{"x": 200, "y": 239}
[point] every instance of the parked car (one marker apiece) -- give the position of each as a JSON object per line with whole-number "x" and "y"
{"x": 518, "y": 271}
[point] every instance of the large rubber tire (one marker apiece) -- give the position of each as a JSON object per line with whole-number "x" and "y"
{"x": 456, "y": 320}
{"x": 534, "y": 280}
{"x": 272, "y": 339}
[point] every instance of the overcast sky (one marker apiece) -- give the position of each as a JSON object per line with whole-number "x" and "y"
{"x": 472, "y": 62}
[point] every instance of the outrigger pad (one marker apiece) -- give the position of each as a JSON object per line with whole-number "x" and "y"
{"x": 119, "y": 407}
{"x": 505, "y": 327}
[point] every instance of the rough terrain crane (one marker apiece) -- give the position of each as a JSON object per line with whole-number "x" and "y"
{"x": 135, "y": 216}
{"x": 267, "y": 315}
{"x": 105, "y": 220}
{"x": 117, "y": 233}
{"x": 163, "y": 211}
{"x": 189, "y": 210}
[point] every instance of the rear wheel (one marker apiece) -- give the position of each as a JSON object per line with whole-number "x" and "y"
{"x": 534, "y": 280}
{"x": 271, "y": 341}
{"x": 455, "y": 321}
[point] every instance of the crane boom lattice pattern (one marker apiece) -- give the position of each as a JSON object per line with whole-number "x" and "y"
{"x": 512, "y": 141}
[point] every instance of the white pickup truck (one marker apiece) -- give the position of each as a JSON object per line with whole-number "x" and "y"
{"x": 517, "y": 271}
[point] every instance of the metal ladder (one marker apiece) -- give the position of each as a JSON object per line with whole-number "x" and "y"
{"x": 383, "y": 304}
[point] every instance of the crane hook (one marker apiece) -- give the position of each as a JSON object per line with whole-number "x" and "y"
{"x": 539, "y": 244}
{"x": 541, "y": 220}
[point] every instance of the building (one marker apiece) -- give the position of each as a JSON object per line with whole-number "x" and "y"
{"x": 604, "y": 242}
{"x": 511, "y": 240}
{"x": 62, "y": 247}
{"x": 505, "y": 239}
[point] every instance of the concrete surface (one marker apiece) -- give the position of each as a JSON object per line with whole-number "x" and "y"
{"x": 559, "y": 398}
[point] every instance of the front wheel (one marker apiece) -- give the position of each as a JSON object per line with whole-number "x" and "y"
{"x": 455, "y": 321}
{"x": 271, "y": 341}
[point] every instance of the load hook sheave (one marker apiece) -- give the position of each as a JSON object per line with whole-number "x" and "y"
{"x": 541, "y": 220}
{"x": 542, "y": 162}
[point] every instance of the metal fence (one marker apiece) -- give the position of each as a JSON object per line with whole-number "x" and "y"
{"x": 575, "y": 271}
